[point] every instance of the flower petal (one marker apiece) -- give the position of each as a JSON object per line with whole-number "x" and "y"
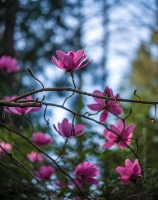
{"x": 108, "y": 144}
{"x": 60, "y": 55}
{"x": 103, "y": 116}
{"x": 95, "y": 107}
{"x": 99, "y": 93}
{"x": 56, "y": 62}
{"x": 92, "y": 181}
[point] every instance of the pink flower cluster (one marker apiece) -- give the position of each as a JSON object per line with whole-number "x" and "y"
{"x": 8, "y": 64}
{"x": 17, "y": 110}
{"x": 66, "y": 129}
{"x": 41, "y": 139}
{"x": 35, "y": 157}
{"x": 131, "y": 171}
{"x": 85, "y": 172}
{"x": 5, "y": 147}
{"x": 122, "y": 132}
{"x": 44, "y": 173}
{"x": 71, "y": 60}
{"x": 105, "y": 107}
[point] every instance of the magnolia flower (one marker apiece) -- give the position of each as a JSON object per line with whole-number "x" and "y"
{"x": 71, "y": 60}
{"x": 17, "y": 110}
{"x": 5, "y": 146}
{"x": 124, "y": 132}
{"x": 131, "y": 171}
{"x": 41, "y": 139}
{"x": 44, "y": 173}
{"x": 8, "y": 64}
{"x": 85, "y": 172}
{"x": 65, "y": 129}
{"x": 104, "y": 106}
{"x": 60, "y": 183}
{"x": 35, "y": 157}
{"x": 78, "y": 198}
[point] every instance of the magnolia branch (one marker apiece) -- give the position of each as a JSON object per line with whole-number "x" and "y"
{"x": 91, "y": 119}
{"x": 83, "y": 93}
{"x": 57, "y": 165}
{"x": 16, "y": 102}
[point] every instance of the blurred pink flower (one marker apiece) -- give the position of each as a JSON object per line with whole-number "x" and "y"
{"x": 85, "y": 173}
{"x": 71, "y": 60}
{"x": 44, "y": 173}
{"x": 17, "y": 110}
{"x": 111, "y": 106}
{"x": 35, "y": 157}
{"x": 60, "y": 183}
{"x": 131, "y": 171}
{"x": 8, "y": 64}
{"x": 65, "y": 129}
{"x": 125, "y": 133}
{"x": 78, "y": 198}
{"x": 6, "y": 146}
{"x": 41, "y": 139}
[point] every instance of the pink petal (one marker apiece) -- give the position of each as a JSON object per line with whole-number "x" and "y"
{"x": 79, "y": 129}
{"x": 108, "y": 92}
{"x": 99, "y": 93}
{"x": 78, "y": 54}
{"x": 121, "y": 125}
{"x": 116, "y": 110}
{"x": 129, "y": 130}
{"x": 123, "y": 171}
{"x": 125, "y": 180}
{"x": 95, "y": 107}
{"x": 56, "y": 128}
{"x": 92, "y": 181}
{"x": 61, "y": 55}
{"x": 113, "y": 128}
{"x": 103, "y": 116}
{"x": 56, "y": 62}
{"x": 71, "y": 53}
{"x": 68, "y": 62}
{"x": 83, "y": 65}
{"x": 108, "y": 144}
{"x": 123, "y": 145}
{"x": 109, "y": 135}
{"x": 79, "y": 61}
{"x": 129, "y": 164}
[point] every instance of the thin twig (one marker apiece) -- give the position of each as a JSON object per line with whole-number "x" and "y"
{"x": 31, "y": 74}
{"x": 73, "y": 81}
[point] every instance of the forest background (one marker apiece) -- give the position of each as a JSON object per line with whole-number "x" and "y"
{"x": 122, "y": 39}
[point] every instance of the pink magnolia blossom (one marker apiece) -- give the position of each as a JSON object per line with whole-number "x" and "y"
{"x": 77, "y": 198}
{"x": 60, "y": 183}
{"x": 8, "y": 64}
{"x": 65, "y": 129}
{"x": 71, "y": 60}
{"x": 35, "y": 157}
{"x": 131, "y": 171}
{"x": 124, "y": 132}
{"x": 44, "y": 173}
{"x": 85, "y": 173}
{"x": 6, "y": 146}
{"x": 110, "y": 106}
{"x": 17, "y": 110}
{"x": 41, "y": 139}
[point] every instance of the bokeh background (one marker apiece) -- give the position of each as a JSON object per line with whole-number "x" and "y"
{"x": 122, "y": 39}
